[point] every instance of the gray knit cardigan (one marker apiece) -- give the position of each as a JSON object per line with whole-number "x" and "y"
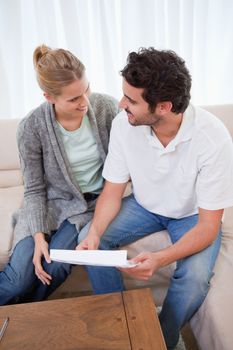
{"x": 51, "y": 192}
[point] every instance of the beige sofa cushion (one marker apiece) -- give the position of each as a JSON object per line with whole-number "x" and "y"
{"x": 212, "y": 324}
{"x": 10, "y": 200}
{"x": 10, "y": 174}
{"x": 160, "y": 280}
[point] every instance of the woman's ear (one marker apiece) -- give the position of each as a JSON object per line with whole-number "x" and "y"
{"x": 49, "y": 98}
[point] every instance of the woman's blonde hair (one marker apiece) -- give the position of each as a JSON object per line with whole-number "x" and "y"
{"x": 56, "y": 68}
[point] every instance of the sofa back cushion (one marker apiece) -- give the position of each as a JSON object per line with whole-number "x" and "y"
{"x": 224, "y": 113}
{"x": 11, "y": 184}
{"x": 10, "y": 174}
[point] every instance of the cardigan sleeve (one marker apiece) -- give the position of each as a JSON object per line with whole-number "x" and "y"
{"x": 31, "y": 160}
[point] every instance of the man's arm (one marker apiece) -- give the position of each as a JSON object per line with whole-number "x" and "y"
{"x": 107, "y": 208}
{"x": 198, "y": 238}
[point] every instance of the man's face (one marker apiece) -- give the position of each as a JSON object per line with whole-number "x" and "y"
{"x": 136, "y": 107}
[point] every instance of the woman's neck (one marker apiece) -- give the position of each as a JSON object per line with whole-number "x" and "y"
{"x": 69, "y": 123}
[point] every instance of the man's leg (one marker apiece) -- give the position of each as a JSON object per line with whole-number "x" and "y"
{"x": 18, "y": 276}
{"x": 189, "y": 284}
{"x": 64, "y": 238}
{"x": 133, "y": 222}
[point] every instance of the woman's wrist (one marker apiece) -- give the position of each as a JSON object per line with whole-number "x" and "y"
{"x": 38, "y": 236}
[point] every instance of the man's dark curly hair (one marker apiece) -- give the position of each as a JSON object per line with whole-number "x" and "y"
{"x": 163, "y": 76}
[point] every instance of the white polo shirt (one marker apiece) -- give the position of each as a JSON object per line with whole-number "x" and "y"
{"x": 194, "y": 170}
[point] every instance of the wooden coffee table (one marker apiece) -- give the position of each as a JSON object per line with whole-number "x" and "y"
{"x": 122, "y": 321}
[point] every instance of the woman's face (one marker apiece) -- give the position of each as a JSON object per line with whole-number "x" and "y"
{"x": 72, "y": 103}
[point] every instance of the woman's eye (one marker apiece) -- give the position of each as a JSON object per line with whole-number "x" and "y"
{"x": 74, "y": 99}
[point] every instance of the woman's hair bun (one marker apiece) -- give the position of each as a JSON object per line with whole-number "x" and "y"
{"x": 39, "y": 52}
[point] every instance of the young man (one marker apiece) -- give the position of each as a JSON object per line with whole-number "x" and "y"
{"x": 180, "y": 161}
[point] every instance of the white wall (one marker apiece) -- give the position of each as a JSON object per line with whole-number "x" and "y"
{"x": 102, "y": 32}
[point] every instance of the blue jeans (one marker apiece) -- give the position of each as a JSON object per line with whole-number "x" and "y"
{"x": 18, "y": 281}
{"x": 190, "y": 282}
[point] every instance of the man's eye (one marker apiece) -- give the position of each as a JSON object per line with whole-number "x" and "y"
{"x": 132, "y": 102}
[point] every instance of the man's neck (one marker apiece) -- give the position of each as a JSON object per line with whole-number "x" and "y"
{"x": 168, "y": 128}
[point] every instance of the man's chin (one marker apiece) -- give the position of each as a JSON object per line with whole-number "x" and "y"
{"x": 132, "y": 120}
{"x": 132, "y": 123}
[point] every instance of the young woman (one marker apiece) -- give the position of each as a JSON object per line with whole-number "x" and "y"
{"x": 62, "y": 146}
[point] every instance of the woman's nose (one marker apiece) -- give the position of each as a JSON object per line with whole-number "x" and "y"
{"x": 84, "y": 100}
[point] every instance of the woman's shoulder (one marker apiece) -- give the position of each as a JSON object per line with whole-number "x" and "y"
{"x": 36, "y": 114}
{"x": 34, "y": 119}
{"x": 101, "y": 101}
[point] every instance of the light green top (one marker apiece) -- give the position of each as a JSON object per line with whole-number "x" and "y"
{"x": 84, "y": 157}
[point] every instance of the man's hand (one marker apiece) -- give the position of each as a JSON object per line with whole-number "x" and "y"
{"x": 41, "y": 250}
{"x": 148, "y": 264}
{"x": 92, "y": 241}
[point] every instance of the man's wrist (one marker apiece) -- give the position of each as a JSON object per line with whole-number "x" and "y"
{"x": 163, "y": 258}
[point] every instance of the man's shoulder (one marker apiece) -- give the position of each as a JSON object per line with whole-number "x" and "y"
{"x": 121, "y": 121}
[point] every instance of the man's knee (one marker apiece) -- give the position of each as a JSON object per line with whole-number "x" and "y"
{"x": 195, "y": 279}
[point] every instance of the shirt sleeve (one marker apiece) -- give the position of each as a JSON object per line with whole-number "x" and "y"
{"x": 215, "y": 179}
{"x": 115, "y": 167}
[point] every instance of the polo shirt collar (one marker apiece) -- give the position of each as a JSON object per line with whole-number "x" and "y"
{"x": 184, "y": 134}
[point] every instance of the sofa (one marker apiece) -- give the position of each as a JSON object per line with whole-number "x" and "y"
{"x": 211, "y": 325}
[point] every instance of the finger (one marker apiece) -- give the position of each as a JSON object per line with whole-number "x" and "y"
{"x": 43, "y": 279}
{"x": 46, "y": 256}
{"x": 40, "y": 277}
{"x": 139, "y": 258}
{"x": 131, "y": 270}
{"x": 135, "y": 274}
{"x": 82, "y": 246}
{"x": 41, "y": 273}
{"x": 93, "y": 245}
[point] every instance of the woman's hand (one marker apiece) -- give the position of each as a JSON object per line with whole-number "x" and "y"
{"x": 91, "y": 242}
{"x": 41, "y": 250}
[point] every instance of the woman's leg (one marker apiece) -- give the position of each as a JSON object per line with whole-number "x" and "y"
{"x": 64, "y": 238}
{"x": 18, "y": 277}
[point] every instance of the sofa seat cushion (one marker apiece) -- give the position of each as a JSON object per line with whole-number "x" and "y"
{"x": 10, "y": 200}
{"x": 10, "y": 178}
{"x": 160, "y": 280}
{"x": 212, "y": 324}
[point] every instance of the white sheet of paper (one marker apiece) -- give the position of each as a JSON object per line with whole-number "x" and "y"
{"x": 116, "y": 258}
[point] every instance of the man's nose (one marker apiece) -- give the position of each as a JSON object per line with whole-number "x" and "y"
{"x": 122, "y": 103}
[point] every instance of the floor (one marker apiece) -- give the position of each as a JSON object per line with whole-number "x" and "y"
{"x": 189, "y": 339}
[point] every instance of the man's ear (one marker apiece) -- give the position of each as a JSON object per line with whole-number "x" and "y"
{"x": 164, "y": 107}
{"x": 49, "y": 98}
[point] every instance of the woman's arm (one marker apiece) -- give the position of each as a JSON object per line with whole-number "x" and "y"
{"x": 35, "y": 193}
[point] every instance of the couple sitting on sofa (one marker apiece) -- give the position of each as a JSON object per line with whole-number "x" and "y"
{"x": 178, "y": 157}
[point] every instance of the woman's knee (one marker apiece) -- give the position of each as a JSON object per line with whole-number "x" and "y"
{"x": 57, "y": 269}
